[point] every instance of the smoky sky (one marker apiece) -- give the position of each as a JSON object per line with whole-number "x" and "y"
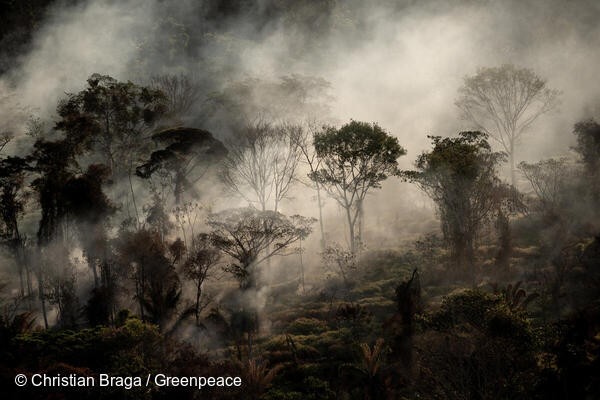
{"x": 397, "y": 63}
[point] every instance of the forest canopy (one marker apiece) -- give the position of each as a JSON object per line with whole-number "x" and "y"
{"x": 318, "y": 199}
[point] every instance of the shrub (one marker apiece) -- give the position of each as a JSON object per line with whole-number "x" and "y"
{"x": 307, "y": 326}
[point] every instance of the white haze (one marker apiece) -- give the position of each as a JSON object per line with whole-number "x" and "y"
{"x": 395, "y": 63}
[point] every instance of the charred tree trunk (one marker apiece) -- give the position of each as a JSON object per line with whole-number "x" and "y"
{"x": 408, "y": 301}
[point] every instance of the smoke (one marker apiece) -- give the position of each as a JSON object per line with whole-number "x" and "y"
{"x": 399, "y": 64}
{"x": 395, "y": 63}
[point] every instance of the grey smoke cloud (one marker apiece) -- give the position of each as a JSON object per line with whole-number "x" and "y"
{"x": 396, "y": 63}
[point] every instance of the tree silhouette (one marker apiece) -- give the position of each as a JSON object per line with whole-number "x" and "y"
{"x": 202, "y": 258}
{"x": 245, "y": 233}
{"x": 113, "y": 119}
{"x": 504, "y": 102}
{"x": 181, "y": 93}
{"x": 187, "y": 155}
{"x": 13, "y": 198}
{"x": 143, "y": 256}
{"x": 303, "y": 138}
{"x": 353, "y": 160}
{"x": 588, "y": 147}
{"x": 459, "y": 175}
{"x": 261, "y": 164}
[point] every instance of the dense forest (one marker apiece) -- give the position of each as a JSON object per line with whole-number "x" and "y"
{"x": 321, "y": 199}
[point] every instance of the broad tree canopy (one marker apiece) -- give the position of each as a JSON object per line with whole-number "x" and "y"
{"x": 504, "y": 102}
{"x": 353, "y": 160}
{"x": 459, "y": 175}
{"x": 251, "y": 236}
{"x": 186, "y": 155}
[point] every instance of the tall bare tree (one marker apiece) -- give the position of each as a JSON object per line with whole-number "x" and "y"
{"x": 303, "y": 138}
{"x": 549, "y": 180}
{"x": 181, "y": 92}
{"x": 261, "y": 164}
{"x": 504, "y": 102}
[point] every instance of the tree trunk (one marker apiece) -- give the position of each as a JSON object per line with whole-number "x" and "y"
{"x": 302, "y": 268}
{"x": 351, "y": 230}
{"x": 137, "y": 216}
{"x": 95, "y": 271}
{"x": 360, "y": 221}
{"x": 21, "y": 282}
{"x": 513, "y": 179}
{"x": 198, "y": 295}
{"x": 470, "y": 259}
{"x": 459, "y": 256}
{"x": 178, "y": 187}
{"x": 43, "y": 301}
{"x": 321, "y": 217}
{"x": 140, "y": 283}
{"x": 249, "y": 281}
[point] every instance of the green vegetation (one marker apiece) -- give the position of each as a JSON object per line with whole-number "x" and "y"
{"x": 165, "y": 226}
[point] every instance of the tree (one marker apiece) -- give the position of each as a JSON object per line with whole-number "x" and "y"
{"x": 113, "y": 118}
{"x": 261, "y": 164}
{"x": 588, "y": 147}
{"x": 459, "y": 175}
{"x": 504, "y": 102}
{"x": 13, "y": 198}
{"x": 303, "y": 139}
{"x": 89, "y": 208}
{"x": 145, "y": 256}
{"x": 187, "y": 155}
{"x": 66, "y": 197}
{"x": 341, "y": 261}
{"x": 549, "y": 180}
{"x": 588, "y": 144}
{"x": 181, "y": 93}
{"x": 202, "y": 258}
{"x": 12, "y": 117}
{"x": 353, "y": 160}
{"x": 245, "y": 233}
{"x": 56, "y": 163}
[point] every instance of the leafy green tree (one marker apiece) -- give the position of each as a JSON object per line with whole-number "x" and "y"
{"x": 477, "y": 347}
{"x": 245, "y": 234}
{"x": 459, "y": 175}
{"x": 354, "y": 159}
{"x": 504, "y": 102}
